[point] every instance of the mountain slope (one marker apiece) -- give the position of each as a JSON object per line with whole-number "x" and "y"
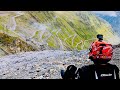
{"x": 40, "y": 30}
{"x": 113, "y": 20}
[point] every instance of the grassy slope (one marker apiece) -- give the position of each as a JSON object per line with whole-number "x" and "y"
{"x": 84, "y": 25}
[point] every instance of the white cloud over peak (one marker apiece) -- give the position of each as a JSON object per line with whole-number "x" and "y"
{"x": 108, "y": 13}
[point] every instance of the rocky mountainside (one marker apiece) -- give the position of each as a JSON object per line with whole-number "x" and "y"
{"x": 40, "y": 64}
{"x": 23, "y": 31}
{"x": 38, "y": 44}
{"x": 45, "y": 64}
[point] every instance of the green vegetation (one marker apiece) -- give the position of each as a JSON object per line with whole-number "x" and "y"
{"x": 73, "y": 30}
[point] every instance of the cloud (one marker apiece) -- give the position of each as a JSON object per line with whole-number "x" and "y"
{"x": 108, "y": 13}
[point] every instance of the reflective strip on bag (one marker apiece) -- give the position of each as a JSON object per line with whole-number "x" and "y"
{"x": 96, "y": 76}
{"x": 114, "y": 75}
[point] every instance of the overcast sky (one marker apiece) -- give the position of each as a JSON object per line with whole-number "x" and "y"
{"x": 108, "y": 13}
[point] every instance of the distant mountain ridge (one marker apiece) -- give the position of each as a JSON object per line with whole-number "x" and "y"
{"x": 113, "y": 20}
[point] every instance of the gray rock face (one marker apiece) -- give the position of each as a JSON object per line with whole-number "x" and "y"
{"x": 38, "y": 65}
{"x": 116, "y": 57}
{"x": 44, "y": 64}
